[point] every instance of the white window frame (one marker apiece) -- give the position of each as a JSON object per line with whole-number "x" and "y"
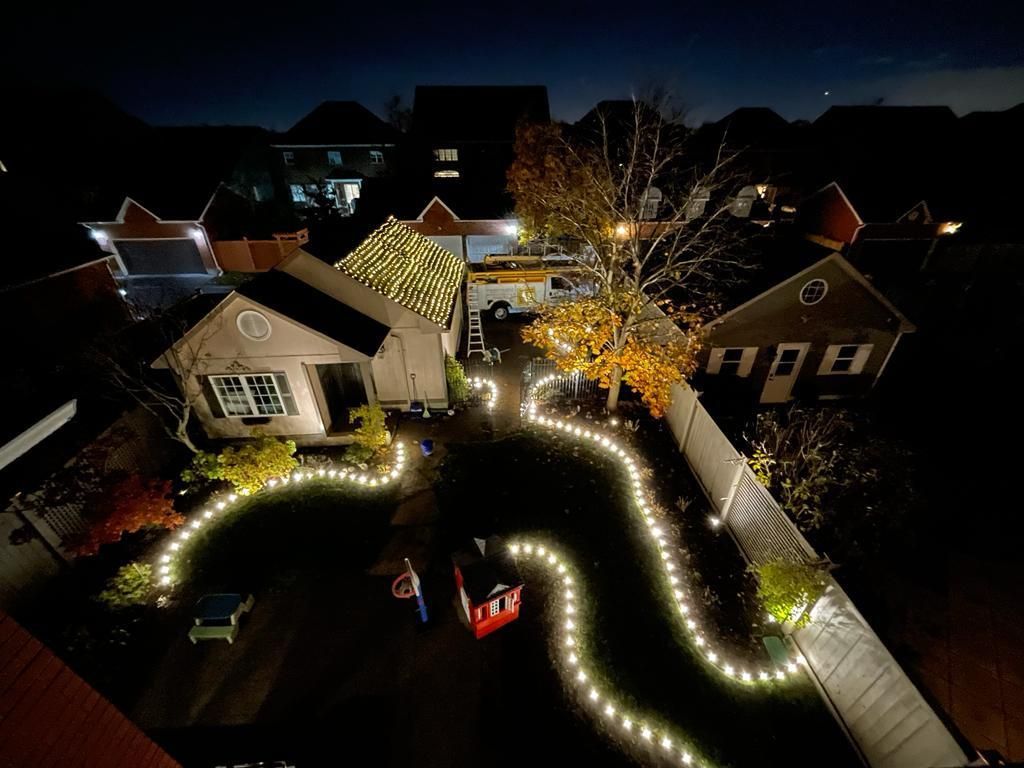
{"x": 376, "y": 157}
{"x": 746, "y": 362}
{"x": 446, "y": 155}
{"x": 289, "y": 158}
{"x": 276, "y": 384}
{"x": 331, "y": 155}
{"x": 857, "y": 361}
{"x": 806, "y": 285}
{"x": 495, "y": 607}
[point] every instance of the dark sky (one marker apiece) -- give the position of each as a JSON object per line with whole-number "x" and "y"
{"x": 220, "y": 62}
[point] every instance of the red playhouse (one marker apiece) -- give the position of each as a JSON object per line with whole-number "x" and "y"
{"x": 489, "y": 585}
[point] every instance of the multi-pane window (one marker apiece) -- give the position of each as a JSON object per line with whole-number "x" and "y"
{"x": 813, "y": 291}
{"x": 298, "y": 193}
{"x": 446, "y": 155}
{"x": 497, "y": 606}
{"x": 446, "y": 174}
{"x": 845, "y": 358}
{"x": 376, "y": 157}
{"x": 254, "y": 394}
{"x": 289, "y": 158}
{"x": 333, "y": 157}
{"x": 785, "y": 362}
{"x": 732, "y": 361}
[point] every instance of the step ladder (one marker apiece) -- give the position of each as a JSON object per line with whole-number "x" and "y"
{"x": 476, "y": 330}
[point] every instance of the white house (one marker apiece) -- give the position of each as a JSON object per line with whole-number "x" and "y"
{"x": 293, "y": 349}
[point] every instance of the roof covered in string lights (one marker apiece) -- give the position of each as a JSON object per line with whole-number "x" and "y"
{"x": 409, "y": 269}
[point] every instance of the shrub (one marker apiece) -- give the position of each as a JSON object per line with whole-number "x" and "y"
{"x": 204, "y": 467}
{"x": 371, "y": 436}
{"x": 458, "y": 384}
{"x": 788, "y": 589}
{"x": 249, "y": 466}
{"x": 131, "y": 504}
{"x": 130, "y": 586}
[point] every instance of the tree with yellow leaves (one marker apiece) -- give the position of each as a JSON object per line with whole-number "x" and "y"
{"x": 649, "y": 227}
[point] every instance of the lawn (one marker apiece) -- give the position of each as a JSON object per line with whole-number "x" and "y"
{"x": 568, "y": 493}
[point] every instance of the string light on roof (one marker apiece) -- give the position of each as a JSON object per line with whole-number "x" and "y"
{"x": 407, "y": 268}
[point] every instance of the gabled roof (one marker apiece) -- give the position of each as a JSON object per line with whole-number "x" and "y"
{"x": 905, "y": 325}
{"x": 487, "y": 569}
{"x": 288, "y": 296}
{"x": 409, "y": 269}
{"x": 339, "y": 123}
{"x": 883, "y": 121}
{"x": 477, "y": 112}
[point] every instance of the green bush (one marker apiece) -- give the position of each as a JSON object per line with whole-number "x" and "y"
{"x": 788, "y": 589}
{"x": 458, "y": 384}
{"x": 371, "y": 436}
{"x": 204, "y": 467}
{"x": 130, "y": 586}
{"x": 250, "y": 466}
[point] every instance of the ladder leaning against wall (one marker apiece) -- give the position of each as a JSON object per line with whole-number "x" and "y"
{"x": 476, "y": 330}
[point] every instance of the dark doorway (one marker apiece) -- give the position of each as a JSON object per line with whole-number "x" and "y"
{"x": 343, "y": 388}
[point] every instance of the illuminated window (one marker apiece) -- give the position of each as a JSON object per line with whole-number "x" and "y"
{"x": 446, "y": 174}
{"x": 813, "y": 291}
{"x": 258, "y": 394}
{"x": 298, "y": 193}
{"x": 446, "y": 155}
{"x": 289, "y": 158}
{"x": 334, "y": 157}
{"x": 376, "y": 157}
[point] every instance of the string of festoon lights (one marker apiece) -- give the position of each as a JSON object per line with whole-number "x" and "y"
{"x": 166, "y": 567}
{"x": 680, "y": 598}
{"x": 596, "y": 695}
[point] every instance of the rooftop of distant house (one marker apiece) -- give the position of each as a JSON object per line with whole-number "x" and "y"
{"x": 339, "y": 123}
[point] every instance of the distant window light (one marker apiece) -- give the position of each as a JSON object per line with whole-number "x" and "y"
{"x": 298, "y": 193}
{"x": 813, "y": 291}
{"x": 446, "y": 155}
{"x": 446, "y": 174}
{"x": 376, "y": 157}
{"x": 333, "y": 157}
{"x": 289, "y": 158}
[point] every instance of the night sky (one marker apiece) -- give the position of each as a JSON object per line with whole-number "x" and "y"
{"x": 239, "y": 63}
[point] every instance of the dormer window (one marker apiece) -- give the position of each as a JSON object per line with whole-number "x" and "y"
{"x": 334, "y": 157}
{"x": 446, "y": 155}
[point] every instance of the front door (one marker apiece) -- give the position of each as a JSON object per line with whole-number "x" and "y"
{"x": 343, "y": 388}
{"x": 785, "y": 368}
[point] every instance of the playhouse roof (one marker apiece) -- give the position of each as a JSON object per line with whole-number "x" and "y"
{"x": 409, "y": 269}
{"x": 488, "y": 569}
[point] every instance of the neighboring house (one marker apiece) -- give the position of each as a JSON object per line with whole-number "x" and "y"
{"x": 332, "y": 151}
{"x": 294, "y": 349}
{"x": 824, "y": 333}
{"x": 469, "y": 239}
{"x": 52, "y": 717}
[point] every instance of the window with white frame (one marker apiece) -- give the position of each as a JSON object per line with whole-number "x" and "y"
{"x": 731, "y": 361}
{"x": 497, "y": 606}
{"x": 376, "y": 157}
{"x": 298, "y": 193}
{"x": 333, "y": 157}
{"x": 254, "y": 394}
{"x": 845, "y": 359}
{"x": 289, "y": 158}
{"x": 813, "y": 291}
{"x": 446, "y": 155}
{"x": 446, "y": 174}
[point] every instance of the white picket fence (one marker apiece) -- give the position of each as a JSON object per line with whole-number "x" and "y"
{"x": 882, "y": 711}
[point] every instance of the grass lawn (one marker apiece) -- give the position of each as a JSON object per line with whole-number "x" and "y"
{"x": 569, "y": 493}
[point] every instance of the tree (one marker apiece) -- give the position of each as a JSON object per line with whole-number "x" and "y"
{"x": 248, "y": 467}
{"x": 649, "y": 220}
{"x": 399, "y": 116}
{"x": 371, "y": 436}
{"x": 789, "y": 589}
{"x": 131, "y": 504}
{"x": 130, "y": 586}
{"x": 458, "y": 384}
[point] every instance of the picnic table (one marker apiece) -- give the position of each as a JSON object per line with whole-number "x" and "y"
{"x": 220, "y": 607}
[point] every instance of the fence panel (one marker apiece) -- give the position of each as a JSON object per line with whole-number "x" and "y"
{"x": 762, "y": 529}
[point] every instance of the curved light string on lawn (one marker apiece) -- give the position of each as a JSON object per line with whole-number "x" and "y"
{"x": 673, "y": 575}
{"x": 486, "y": 384}
{"x": 597, "y": 696}
{"x": 167, "y": 562}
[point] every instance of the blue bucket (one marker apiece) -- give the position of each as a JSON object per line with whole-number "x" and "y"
{"x": 427, "y": 446}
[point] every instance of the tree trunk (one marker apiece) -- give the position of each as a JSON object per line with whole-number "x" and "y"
{"x": 613, "y": 390}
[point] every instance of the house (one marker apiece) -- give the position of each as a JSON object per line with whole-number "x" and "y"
{"x": 328, "y": 155}
{"x": 292, "y": 350}
{"x": 489, "y": 585}
{"x": 471, "y": 239}
{"x": 824, "y": 333}
{"x": 53, "y": 717}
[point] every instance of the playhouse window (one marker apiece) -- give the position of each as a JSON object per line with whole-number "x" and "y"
{"x": 497, "y": 606}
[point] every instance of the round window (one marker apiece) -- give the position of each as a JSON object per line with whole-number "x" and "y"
{"x": 813, "y": 291}
{"x": 253, "y": 325}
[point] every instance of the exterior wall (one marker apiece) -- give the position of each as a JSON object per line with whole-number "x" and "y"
{"x": 256, "y": 255}
{"x": 829, "y": 214}
{"x": 311, "y": 165}
{"x": 291, "y": 349}
{"x": 479, "y": 246}
{"x": 451, "y": 340}
{"x": 849, "y": 314}
{"x": 454, "y": 243}
{"x": 139, "y": 224}
{"x": 484, "y": 624}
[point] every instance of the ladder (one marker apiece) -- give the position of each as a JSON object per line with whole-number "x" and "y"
{"x": 476, "y": 331}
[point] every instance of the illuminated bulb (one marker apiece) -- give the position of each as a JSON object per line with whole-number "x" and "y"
{"x": 745, "y": 676}
{"x": 561, "y": 568}
{"x": 573, "y": 659}
{"x": 551, "y": 559}
{"x": 568, "y": 594}
{"x": 609, "y": 710}
{"x": 763, "y": 676}
{"x": 780, "y": 675}
{"x": 272, "y": 482}
{"x": 666, "y": 743}
{"x": 541, "y": 551}
{"x": 165, "y": 558}
{"x": 728, "y": 669}
{"x": 569, "y": 609}
{"x": 528, "y": 548}
{"x": 593, "y": 694}
{"x": 581, "y": 676}
{"x": 221, "y": 505}
{"x": 715, "y": 522}
{"x": 687, "y": 758}
{"x": 570, "y": 642}
{"x": 232, "y": 497}
{"x": 165, "y": 580}
{"x": 712, "y": 657}
{"x": 627, "y": 724}
{"x": 514, "y": 549}
{"x": 165, "y": 569}
{"x": 175, "y": 546}
{"x": 677, "y": 594}
{"x": 791, "y": 667}
{"x": 691, "y": 624}
{"x": 684, "y": 608}
{"x": 569, "y": 624}
{"x": 195, "y": 524}
{"x": 699, "y": 641}
{"x": 208, "y": 514}
{"x": 646, "y": 733}
{"x": 567, "y": 580}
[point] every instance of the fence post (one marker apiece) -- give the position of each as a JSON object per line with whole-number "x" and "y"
{"x": 741, "y": 465}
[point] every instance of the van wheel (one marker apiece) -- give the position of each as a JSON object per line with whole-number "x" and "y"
{"x": 501, "y": 312}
